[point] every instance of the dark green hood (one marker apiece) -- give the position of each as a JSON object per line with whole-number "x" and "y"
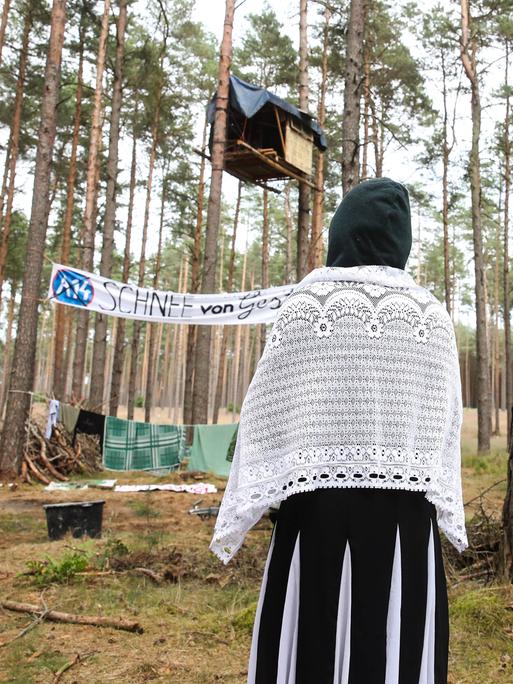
{"x": 372, "y": 225}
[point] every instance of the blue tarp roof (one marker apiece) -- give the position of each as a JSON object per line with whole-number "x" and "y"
{"x": 249, "y": 99}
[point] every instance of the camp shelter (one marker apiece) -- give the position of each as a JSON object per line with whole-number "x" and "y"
{"x": 267, "y": 138}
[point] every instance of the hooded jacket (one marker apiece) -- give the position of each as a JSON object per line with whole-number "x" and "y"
{"x": 372, "y": 226}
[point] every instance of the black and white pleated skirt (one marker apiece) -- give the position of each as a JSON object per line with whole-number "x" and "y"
{"x": 353, "y": 592}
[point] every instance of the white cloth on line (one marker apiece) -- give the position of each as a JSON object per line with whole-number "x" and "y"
{"x": 53, "y": 417}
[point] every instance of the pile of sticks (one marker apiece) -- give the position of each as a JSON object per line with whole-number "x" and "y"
{"x": 55, "y": 458}
{"x": 480, "y": 562}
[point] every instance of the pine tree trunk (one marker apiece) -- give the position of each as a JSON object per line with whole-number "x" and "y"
{"x": 120, "y": 344}
{"x": 303, "y": 216}
{"x": 7, "y": 348}
{"x": 195, "y": 285}
{"x": 366, "y": 108}
{"x": 289, "y": 275}
{"x": 265, "y": 259}
{"x": 88, "y": 228}
{"x": 506, "y": 555}
{"x": 5, "y": 183}
{"x": 222, "y": 357}
{"x": 22, "y": 376}
{"x": 483, "y": 384}
{"x": 202, "y": 359}
{"x": 3, "y": 25}
{"x": 63, "y": 322}
{"x": 151, "y": 327}
{"x": 315, "y": 248}
{"x": 496, "y": 348}
{"x": 352, "y": 95}
{"x": 15, "y": 140}
{"x": 505, "y": 273}
{"x": 100, "y": 331}
{"x": 375, "y": 140}
{"x": 142, "y": 259}
{"x": 445, "y": 195}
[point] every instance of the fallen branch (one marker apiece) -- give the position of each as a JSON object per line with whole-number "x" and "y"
{"x": 150, "y": 573}
{"x": 44, "y": 459}
{"x": 36, "y": 472}
{"x": 37, "y": 621}
{"x": 485, "y": 491}
{"x": 77, "y": 659}
{"x": 58, "y": 616}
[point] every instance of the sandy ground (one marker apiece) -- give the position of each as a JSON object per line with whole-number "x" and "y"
{"x": 197, "y": 622}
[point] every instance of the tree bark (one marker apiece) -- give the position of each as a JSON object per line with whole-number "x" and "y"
{"x": 195, "y": 285}
{"x": 506, "y": 555}
{"x": 289, "y": 275}
{"x": 142, "y": 260}
{"x": 366, "y": 108}
{"x": 89, "y": 228}
{"x": 445, "y": 193}
{"x": 63, "y": 316}
{"x": 100, "y": 331}
{"x": 303, "y": 216}
{"x": 151, "y": 327}
{"x": 120, "y": 344}
{"x": 22, "y": 376}
{"x": 316, "y": 247}
{"x": 352, "y": 94}
{"x": 495, "y": 376}
{"x": 202, "y": 357}
{"x": 505, "y": 272}
{"x": 3, "y": 25}
{"x": 468, "y": 42}
{"x": 231, "y": 269}
{"x": 265, "y": 258}
{"x": 15, "y": 139}
{"x": 7, "y": 348}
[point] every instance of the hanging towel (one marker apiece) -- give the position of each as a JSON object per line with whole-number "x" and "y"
{"x": 210, "y": 446}
{"x": 130, "y": 445}
{"x": 53, "y": 417}
{"x": 90, "y": 424}
{"x": 68, "y": 416}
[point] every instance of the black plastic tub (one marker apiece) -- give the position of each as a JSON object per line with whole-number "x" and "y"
{"x": 78, "y": 517}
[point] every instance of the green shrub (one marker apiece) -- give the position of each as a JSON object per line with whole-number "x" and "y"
{"x": 144, "y": 509}
{"x": 51, "y": 571}
{"x": 244, "y": 619}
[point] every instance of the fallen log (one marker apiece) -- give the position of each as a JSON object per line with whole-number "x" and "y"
{"x": 58, "y": 616}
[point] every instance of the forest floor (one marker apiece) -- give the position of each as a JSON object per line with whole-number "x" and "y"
{"x": 197, "y": 622}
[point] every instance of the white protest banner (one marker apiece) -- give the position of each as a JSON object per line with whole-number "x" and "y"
{"x": 73, "y": 287}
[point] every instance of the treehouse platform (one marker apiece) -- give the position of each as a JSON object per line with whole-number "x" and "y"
{"x": 267, "y": 138}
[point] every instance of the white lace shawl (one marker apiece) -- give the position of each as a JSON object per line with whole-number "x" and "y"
{"x": 358, "y": 386}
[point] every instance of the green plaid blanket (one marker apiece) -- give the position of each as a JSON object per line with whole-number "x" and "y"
{"x": 129, "y": 445}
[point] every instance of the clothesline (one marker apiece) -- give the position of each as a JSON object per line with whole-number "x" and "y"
{"x": 134, "y": 445}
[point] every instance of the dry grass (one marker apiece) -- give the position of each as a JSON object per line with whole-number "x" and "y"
{"x": 197, "y": 625}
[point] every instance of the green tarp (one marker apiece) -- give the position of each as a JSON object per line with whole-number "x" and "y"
{"x": 210, "y": 448}
{"x": 129, "y": 445}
